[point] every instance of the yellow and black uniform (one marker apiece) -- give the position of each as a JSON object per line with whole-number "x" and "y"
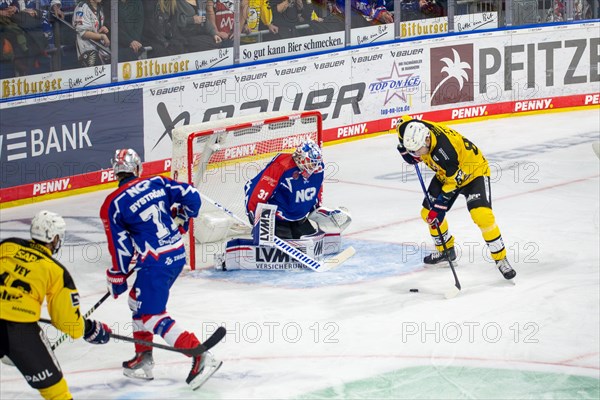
{"x": 259, "y": 18}
{"x": 460, "y": 168}
{"x": 28, "y": 275}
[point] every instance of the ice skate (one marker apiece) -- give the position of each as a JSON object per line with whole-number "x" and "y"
{"x": 140, "y": 366}
{"x": 507, "y": 271}
{"x": 203, "y": 367}
{"x": 439, "y": 257}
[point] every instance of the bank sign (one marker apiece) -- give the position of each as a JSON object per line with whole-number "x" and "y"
{"x": 51, "y": 141}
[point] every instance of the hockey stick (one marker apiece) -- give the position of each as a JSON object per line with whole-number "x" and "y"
{"x": 87, "y": 314}
{"x": 453, "y": 292}
{"x": 290, "y": 250}
{"x": 193, "y": 352}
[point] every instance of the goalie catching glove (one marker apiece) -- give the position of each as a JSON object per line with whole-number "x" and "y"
{"x": 331, "y": 220}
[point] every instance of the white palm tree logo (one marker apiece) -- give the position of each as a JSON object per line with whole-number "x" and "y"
{"x": 455, "y": 69}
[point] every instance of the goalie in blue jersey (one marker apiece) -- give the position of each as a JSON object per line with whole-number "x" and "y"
{"x": 146, "y": 216}
{"x": 286, "y": 196}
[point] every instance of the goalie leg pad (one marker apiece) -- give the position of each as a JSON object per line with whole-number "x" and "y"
{"x": 244, "y": 254}
{"x": 213, "y": 227}
{"x": 320, "y": 244}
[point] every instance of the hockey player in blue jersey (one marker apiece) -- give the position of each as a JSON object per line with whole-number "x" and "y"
{"x": 293, "y": 184}
{"x": 146, "y": 216}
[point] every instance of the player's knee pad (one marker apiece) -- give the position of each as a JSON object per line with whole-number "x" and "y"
{"x": 484, "y": 218}
{"x": 163, "y": 325}
{"x": 57, "y": 391}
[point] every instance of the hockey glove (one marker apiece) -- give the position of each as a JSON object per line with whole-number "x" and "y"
{"x": 96, "y": 332}
{"x": 181, "y": 219}
{"x": 116, "y": 282}
{"x": 407, "y": 156}
{"x": 437, "y": 213}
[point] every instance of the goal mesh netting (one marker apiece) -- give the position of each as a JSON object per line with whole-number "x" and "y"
{"x": 220, "y": 156}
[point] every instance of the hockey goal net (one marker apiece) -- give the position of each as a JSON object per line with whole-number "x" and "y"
{"x": 219, "y": 157}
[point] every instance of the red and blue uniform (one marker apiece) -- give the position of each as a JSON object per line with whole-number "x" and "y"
{"x": 280, "y": 183}
{"x": 137, "y": 219}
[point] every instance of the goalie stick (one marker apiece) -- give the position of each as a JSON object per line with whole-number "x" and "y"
{"x": 454, "y": 291}
{"x": 208, "y": 344}
{"x": 290, "y": 250}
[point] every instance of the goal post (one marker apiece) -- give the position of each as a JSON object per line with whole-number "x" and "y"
{"x": 218, "y": 157}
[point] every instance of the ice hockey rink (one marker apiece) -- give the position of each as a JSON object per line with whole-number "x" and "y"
{"x": 357, "y": 331}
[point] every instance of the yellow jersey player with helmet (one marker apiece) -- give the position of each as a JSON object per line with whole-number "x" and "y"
{"x": 460, "y": 168}
{"x": 28, "y": 276}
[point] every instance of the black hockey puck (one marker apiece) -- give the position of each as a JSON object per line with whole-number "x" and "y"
{"x": 414, "y": 290}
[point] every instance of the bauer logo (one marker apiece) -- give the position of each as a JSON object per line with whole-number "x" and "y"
{"x": 362, "y": 59}
{"x": 451, "y": 74}
{"x": 173, "y": 89}
{"x": 251, "y": 77}
{"x": 290, "y": 71}
{"x": 328, "y": 64}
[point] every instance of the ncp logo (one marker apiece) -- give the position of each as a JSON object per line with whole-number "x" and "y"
{"x": 451, "y": 74}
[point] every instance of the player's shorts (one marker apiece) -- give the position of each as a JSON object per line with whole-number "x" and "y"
{"x": 293, "y": 229}
{"x": 150, "y": 292}
{"x": 28, "y": 348}
{"x": 478, "y": 193}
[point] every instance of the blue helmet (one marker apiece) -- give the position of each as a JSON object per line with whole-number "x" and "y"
{"x": 308, "y": 158}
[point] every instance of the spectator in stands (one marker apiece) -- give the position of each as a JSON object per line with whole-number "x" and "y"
{"x": 131, "y": 26}
{"x": 373, "y": 11}
{"x": 13, "y": 43}
{"x": 56, "y": 8}
{"x": 581, "y": 10}
{"x": 419, "y": 9}
{"x": 197, "y": 32}
{"x": 288, "y": 15}
{"x": 30, "y": 19}
{"x": 327, "y": 17}
{"x": 223, "y": 17}
{"x": 160, "y": 28}
{"x": 259, "y": 18}
{"x": 92, "y": 35}
{"x": 21, "y": 25}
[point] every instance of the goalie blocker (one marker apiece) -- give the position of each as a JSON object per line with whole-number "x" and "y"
{"x": 259, "y": 253}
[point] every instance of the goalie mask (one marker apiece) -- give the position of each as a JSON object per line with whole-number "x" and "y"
{"x": 126, "y": 161}
{"x": 308, "y": 158}
{"x": 45, "y": 226}
{"x": 415, "y": 136}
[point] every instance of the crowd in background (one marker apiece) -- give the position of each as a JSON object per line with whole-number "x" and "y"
{"x": 38, "y": 36}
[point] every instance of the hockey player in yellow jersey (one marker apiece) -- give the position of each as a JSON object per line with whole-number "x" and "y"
{"x": 28, "y": 276}
{"x": 460, "y": 168}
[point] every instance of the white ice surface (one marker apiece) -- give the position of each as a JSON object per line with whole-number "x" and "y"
{"x": 293, "y": 333}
